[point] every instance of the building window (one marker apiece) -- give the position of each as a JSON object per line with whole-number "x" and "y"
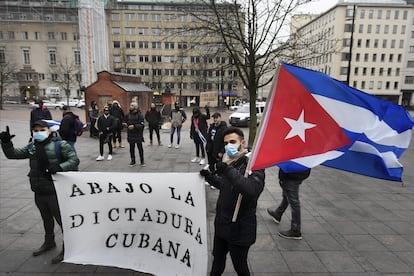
{"x": 116, "y": 30}
{"x": 356, "y": 69}
{"x": 367, "y": 43}
{"x": 143, "y": 44}
{"x": 131, "y": 58}
{"x": 389, "y": 71}
{"x": 377, "y": 29}
{"x": 75, "y": 36}
{"x": 11, "y": 35}
{"x": 41, "y": 76}
{"x": 156, "y": 72}
{"x": 156, "y": 58}
{"x": 117, "y": 44}
{"x": 369, "y": 28}
{"x": 142, "y": 17}
{"x": 379, "y": 14}
{"x": 143, "y": 31}
{"x": 37, "y": 36}
{"x": 51, "y": 35}
{"x": 409, "y": 80}
{"x": 373, "y": 71}
{"x": 391, "y": 59}
{"x": 129, "y": 31}
{"x": 401, "y": 43}
{"x": 384, "y": 43}
{"x": 156, "y": 45}
{"x": 362, "y": 84}
{"x": 144, "y": 72}
{"x": 395, "y": 85}
{"x": 392, "y": 43}
{"x": 362, "y": 14}
{"x": 375, "y": 43}
{"x": 357, "y": 57}
{"x": 379, "y": 85}
{"x": 1, "y": 35}
{"x": 130, "y": 16}
{"x": 397, "y": 72}
{"x": 156, "y": 31}
{"x": 396, "y": 14}
{"x": 115, "y": 17}
{"x": 387, "y": 14}
{"x": 387, "y": 85}
{"x": 52, "y": 56}
{"x": 131, "y": 71}
{"x": 25, "y": 36}
{"x": 361, "y": 28}
{"x": 26, "y": 56}
{"x": 364, "y": 71}
{"x": 54, "y": 76}
{"x": 182, "y": 45}
{"x": 359, "y": 43}
{"x": 2, "y": 56}
{"x": 169, "y": 45}
{"x": 381, "y": 71}
{"x": 374, "y": 57}
{"x": 403, "y": 29}
{"x": 343, "y": 71}
{"x": 117, "y": 58}
{"x": 143, "y": 58}
{"x": 371, "y": 14}
{"x": 371, "y": 85}
{"x": 366, "y": 57}
{"x": 63, "y": 36}
{"x": 169, "y": 72}
{"x": 410, "y": 64}
{"x": 77, "y": 57}
{"x": 130, "y": 44}
{"x": 394, "y": 29}
{"x": 156, "y": 17}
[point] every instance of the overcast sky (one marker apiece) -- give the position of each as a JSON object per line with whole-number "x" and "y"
{"x": 318, "y": 6}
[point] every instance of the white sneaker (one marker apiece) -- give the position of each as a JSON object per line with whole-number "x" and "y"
{"x": 109, "y": 157}
{"x": 195, "y": 160}
{"x": 177, "y": 146}
{"x": 203, "y": 161}
{"x": 169, "y": 145}
{"x": 100, "y": 158}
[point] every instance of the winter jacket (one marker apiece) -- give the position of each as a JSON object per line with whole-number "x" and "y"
{"x": 177, "y": 117}
{"x": 118, "y": 114}
{"x": 215, "y": 141}
{"x": 202, "y": 127}
{"x": 135, "y": 135}
{"x": 39, "y": 113}
{"x": 153, "y": 117}
{"x": 232, "y": 183}
{"x": 67, "y": 127}
{"x": 41, "y": 182}
{"x": 106, "y": 125}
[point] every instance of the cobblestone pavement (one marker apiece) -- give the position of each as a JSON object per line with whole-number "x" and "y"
{"x": 352, "y": 225}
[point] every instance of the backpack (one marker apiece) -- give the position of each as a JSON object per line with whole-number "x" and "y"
{"x": 177, "y": 119}
{"x": 78, "y": 129}
{"x": 59, "y": 152}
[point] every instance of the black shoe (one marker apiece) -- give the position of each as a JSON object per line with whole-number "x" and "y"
{"x": 58, "y": 258}
{"x": 276, "y": 217}
{"x": 132, "y": 164}
{"x": 293, "y": 235}
{"x": 46, "y": 246}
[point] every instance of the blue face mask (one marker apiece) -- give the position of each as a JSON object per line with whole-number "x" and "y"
{"x": 40, "y": 135}
{"x": 232, "y": 150}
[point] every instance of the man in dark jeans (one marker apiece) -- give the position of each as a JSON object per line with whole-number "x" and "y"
{"x": 289, "y": 182}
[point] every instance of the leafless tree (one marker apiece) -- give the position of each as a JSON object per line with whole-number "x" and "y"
{"x": 7, "y": 71}
{"x": 253, "y": 33}
{"x": 65, "y": 76}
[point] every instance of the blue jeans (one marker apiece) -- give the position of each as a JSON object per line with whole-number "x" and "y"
{"x": 178, "y": 134}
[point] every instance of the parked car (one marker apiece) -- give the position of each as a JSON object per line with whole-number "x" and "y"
{"x": 49, "y": 104}
{"x": 81, "y": 104}
{"x": 72, "y": 102}
{"x": 241, "y": 117}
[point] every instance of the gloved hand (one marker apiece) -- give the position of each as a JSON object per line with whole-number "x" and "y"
{"x": 5, "y": 136}
{"x": 54, "y": 169}
{"x": 221, "y": 167}
{"x": 205, "y": 173}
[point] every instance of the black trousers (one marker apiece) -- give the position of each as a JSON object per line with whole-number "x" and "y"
{"x": 140, "y": 150}
{"x": 290, "y": 190}
{"x": 49, "y": 210}
{"x": 117, "y": 135}
{"x": 199, "y": 146}
{"x": 153, "y": 128}
{"x": 238, "y": 255}
{"x": 105, "y": 139}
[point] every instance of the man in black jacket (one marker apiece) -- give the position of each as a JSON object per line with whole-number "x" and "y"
{"x": 289, "y": 182}
{"x": 106, "y": 127}
{"x": 134, "y": 122}
{"x": 198, "y": 133}
{"x": 215, "y": 143}
{"x": 234, "y": 236}
{"x": 67, "y": 127}
{"x": 153, "y": 117}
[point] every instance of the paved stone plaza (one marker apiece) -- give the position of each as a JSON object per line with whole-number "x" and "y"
{"x": 352, "y": 225}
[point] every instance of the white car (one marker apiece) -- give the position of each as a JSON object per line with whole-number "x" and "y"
{"x": 49, "y": 104}
{"x": 242, "y": 115}
{"x": 81, "y": 104}
{"x": 72, "y": 102}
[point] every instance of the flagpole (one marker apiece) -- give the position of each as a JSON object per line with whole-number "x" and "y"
{"x": 265, "y": 114}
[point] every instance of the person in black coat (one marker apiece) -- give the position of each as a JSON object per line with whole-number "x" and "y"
{"x": 153, "y": 117}
{"x": 116, "y": 111}
{"x": 198, "y": 133}
{"x": 106, "y": 126}
{"x": 234, "y": 236}
{"x": 215, "y": 143}
{"x": 134, "y": 122}
{"x": 67, "y": 127}
{"x": 39, "y": 113}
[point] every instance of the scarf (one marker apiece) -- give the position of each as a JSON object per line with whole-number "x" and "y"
{"x": 41, "y": 156}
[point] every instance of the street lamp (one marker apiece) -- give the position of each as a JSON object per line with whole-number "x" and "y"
{"x": 351, "y": 44}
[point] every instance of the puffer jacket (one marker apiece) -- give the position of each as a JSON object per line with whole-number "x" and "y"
{"x": 232, "y": 183}
{"x": 41, "y": 182}
{"x": 135, "y": 135}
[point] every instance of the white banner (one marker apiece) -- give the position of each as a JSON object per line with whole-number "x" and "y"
{"x": 149, "y": 222}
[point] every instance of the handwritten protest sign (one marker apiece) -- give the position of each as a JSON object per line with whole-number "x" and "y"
{"x": 149, "y": 222}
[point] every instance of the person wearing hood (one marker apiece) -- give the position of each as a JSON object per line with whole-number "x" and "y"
{"x": 153, "y": 117}
{"x": 44, "y": 162}
{"x": 39, "y": 113}
{"x": 67, "y": 127}
{"x": 116, "y": 111}
{"x": 215, "y": 143}
{"x": 198, "y": 133}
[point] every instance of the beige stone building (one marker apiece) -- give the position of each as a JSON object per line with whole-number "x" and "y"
{"x": 375, "y": 54}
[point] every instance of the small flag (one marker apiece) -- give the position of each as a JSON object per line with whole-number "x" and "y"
{"x": 312, "y": 119}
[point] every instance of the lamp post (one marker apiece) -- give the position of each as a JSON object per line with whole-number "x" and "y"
{"x": 351, "y": 44}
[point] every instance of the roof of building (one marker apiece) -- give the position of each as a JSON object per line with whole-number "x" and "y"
{"x": 132, "y": 86}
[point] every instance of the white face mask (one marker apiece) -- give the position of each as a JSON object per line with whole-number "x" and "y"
{"x": 40, "y": 135}
{"x": 232, "y": 150}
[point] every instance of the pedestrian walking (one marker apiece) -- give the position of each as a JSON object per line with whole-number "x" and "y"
{"x": 234, "y": 237}
{"x": 198, "y": 133}
{"x": 134, "y": 122}
{"x": 177, "y": 117}
{"x": 44, "y": 161}
{"x": 39, "y": 113}
{"x": 290, "y": 182}
{"x": 215, "y": 143}
{"x": 70, "y": 127}
{"x": 93, "y": 115}
{"x": 153, "y": 117}
{"x": 106, "y": 125}
{"x": 117, "y": 112}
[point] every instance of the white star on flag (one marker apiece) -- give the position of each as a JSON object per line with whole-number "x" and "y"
{"x": 298, "y": 126}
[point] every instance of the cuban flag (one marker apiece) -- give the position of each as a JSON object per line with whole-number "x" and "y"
{"x": 53, "y": 124}
{"x": 312, "y": 119}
